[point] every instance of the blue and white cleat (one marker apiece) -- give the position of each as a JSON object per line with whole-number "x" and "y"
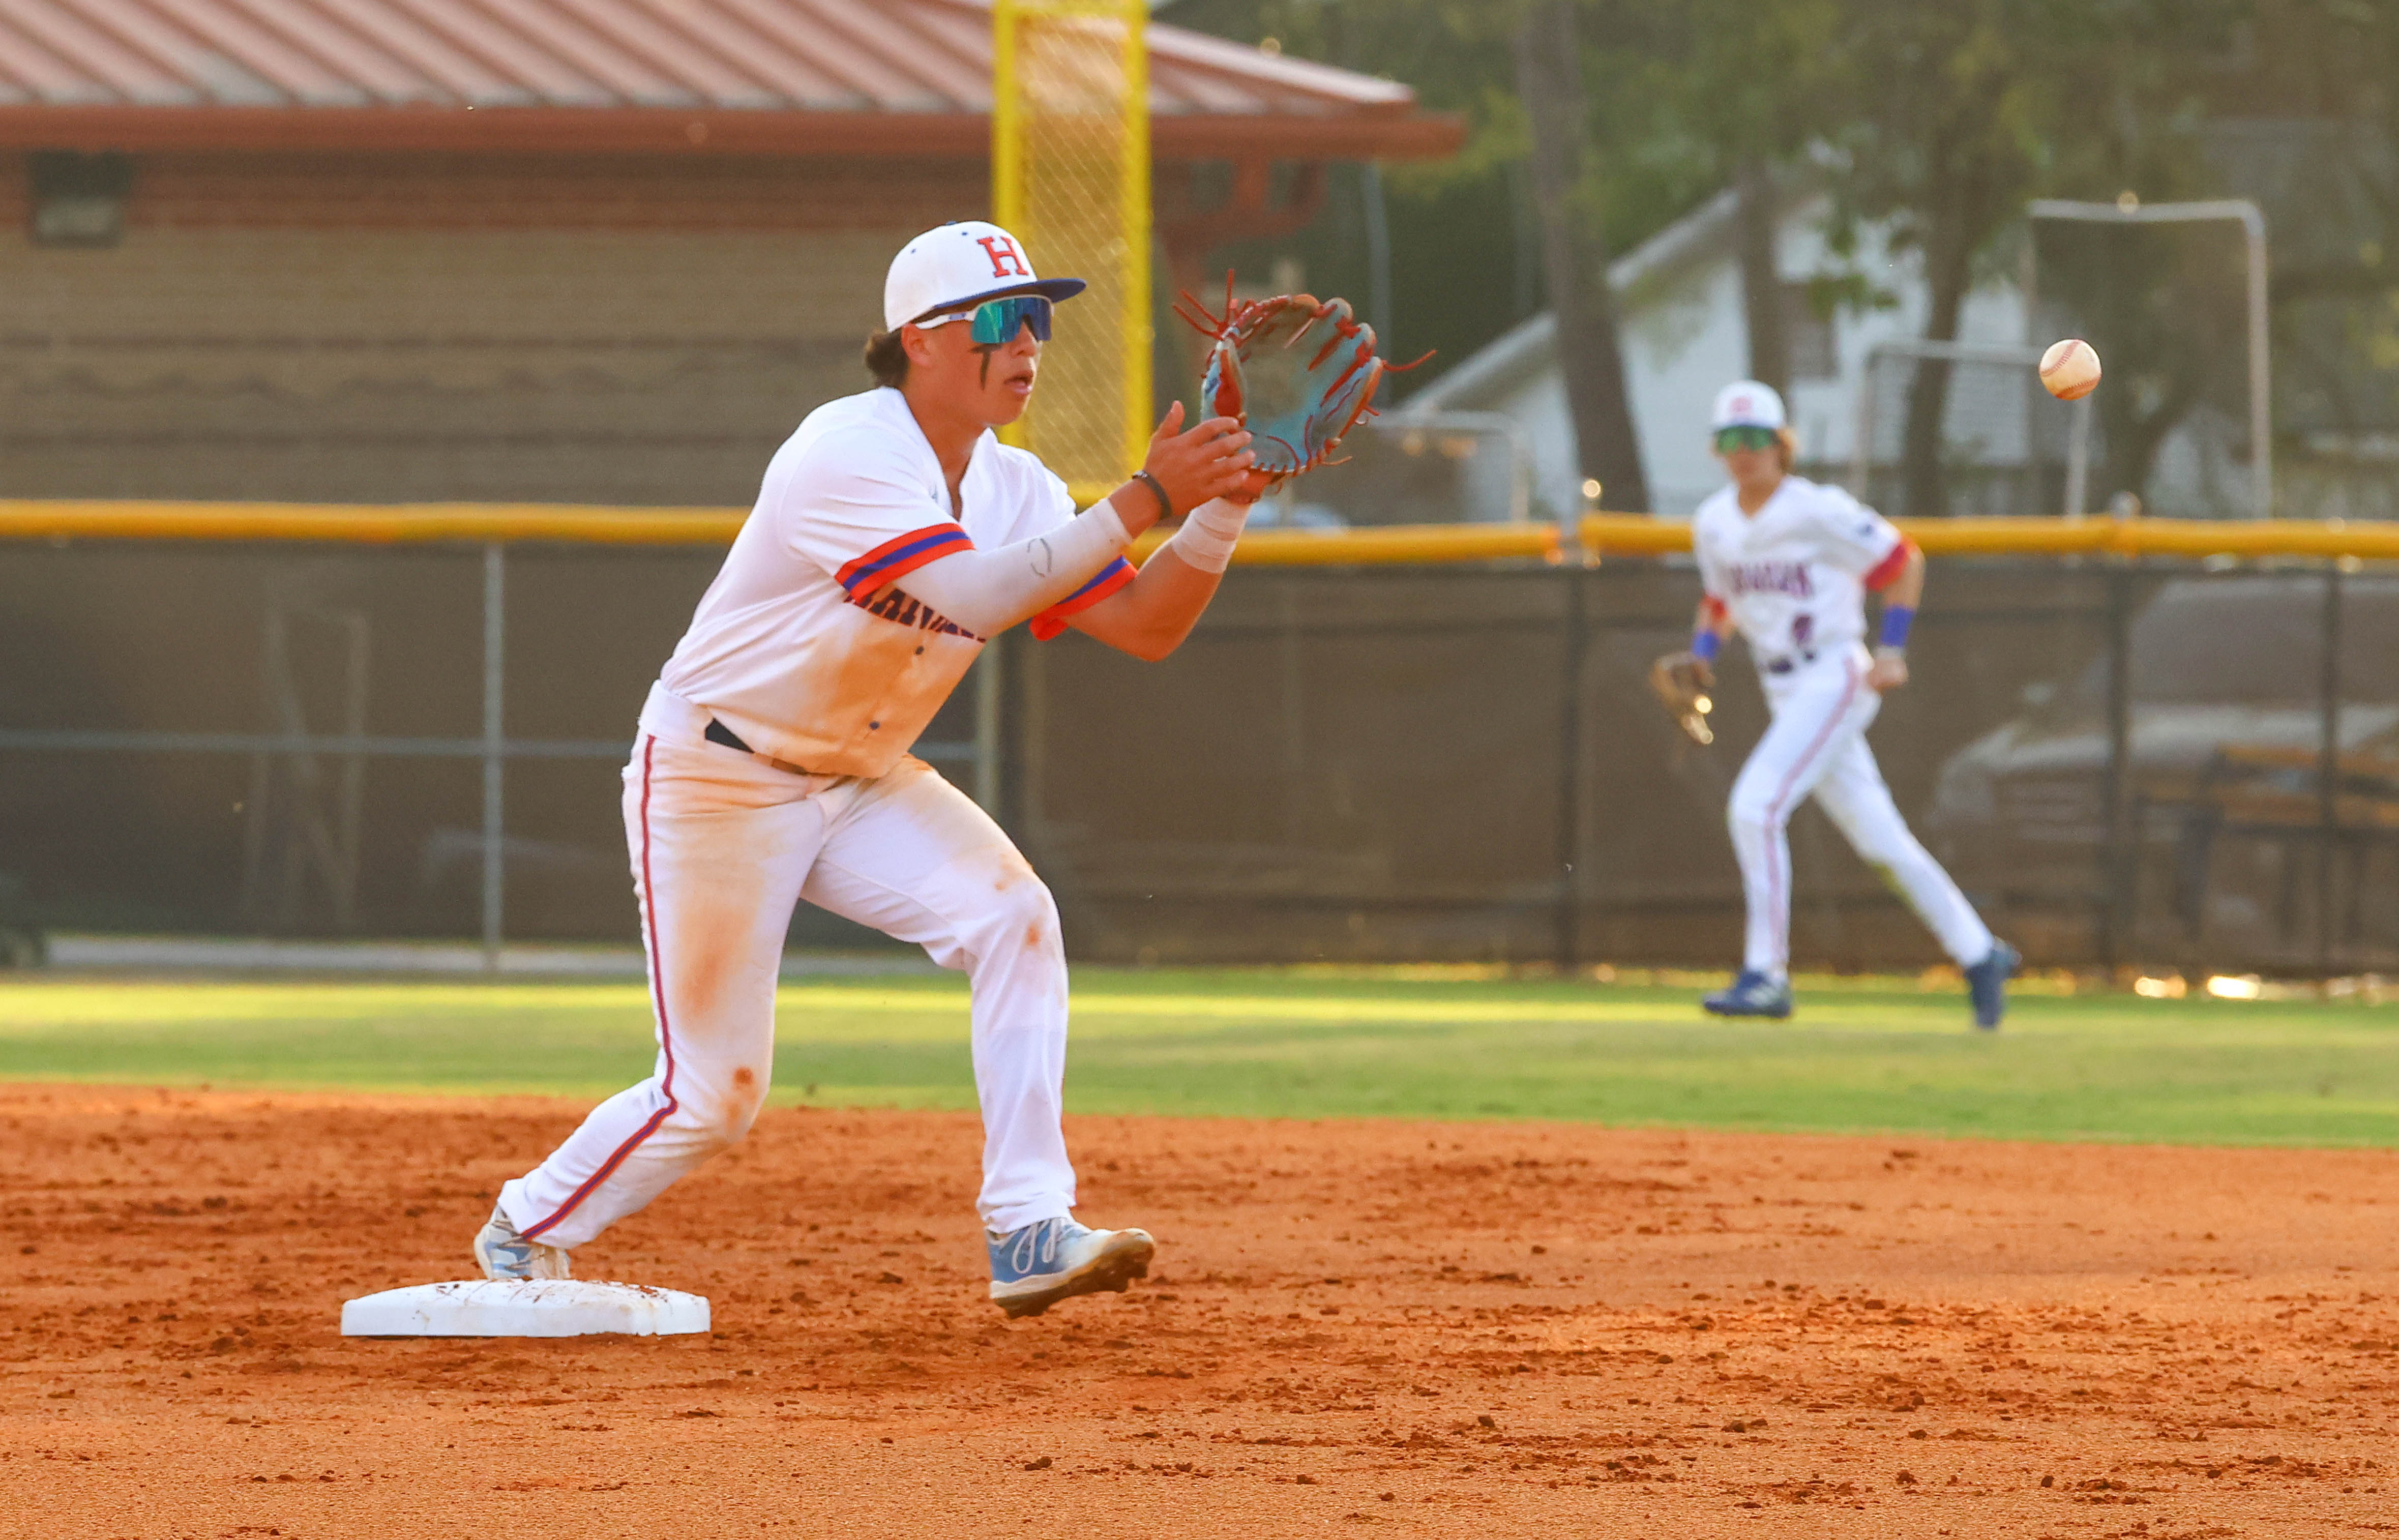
{"x": 1752, "y": 993}
{"x": 1037, "y": 1266}
{"x": 505, "y": 1254}
{"x": 1986, "y": 984}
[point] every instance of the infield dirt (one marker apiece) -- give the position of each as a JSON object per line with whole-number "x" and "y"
{"x": 1413, "y": 1329}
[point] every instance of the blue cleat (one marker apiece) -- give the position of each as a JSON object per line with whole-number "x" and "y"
{"x": 1037, "y": 1266}
{"x": 1986, "y": 984}
{"x": 1751, "y": 994}
{"x": 505, "y": 1254}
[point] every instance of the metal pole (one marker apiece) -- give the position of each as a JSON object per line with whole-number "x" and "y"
{"x": 2328, "y": 768}
{"x": 987, "y": 728}
{"x": 1569, "y": 915}
{"x": 2078, "y": 460}
{"x": 1862, "y": 434}
{"x": 1379, "y": 251}
{"x": 2261, "y": 408}
{"x": 2114, "y": 868}
{"x": 2129, "y": 210}
{"x": 494, "y": 629}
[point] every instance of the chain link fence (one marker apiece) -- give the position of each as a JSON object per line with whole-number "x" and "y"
{"x": 2158, "y": 763}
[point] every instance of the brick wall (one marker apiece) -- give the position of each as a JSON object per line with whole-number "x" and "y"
{"x": 353, "y": 328}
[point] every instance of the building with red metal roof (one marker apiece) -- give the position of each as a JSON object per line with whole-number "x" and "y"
{"x": 560, "y": 250}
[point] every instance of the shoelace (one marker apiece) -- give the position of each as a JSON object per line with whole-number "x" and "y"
{"x": 1038, "y": 1243}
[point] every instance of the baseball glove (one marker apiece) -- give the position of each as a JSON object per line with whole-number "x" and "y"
{"x": 1298, "y": 372}
{"x": 1682, "y": 682}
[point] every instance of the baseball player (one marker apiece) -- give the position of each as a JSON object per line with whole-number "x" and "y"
{"x": 892, "y": 537}
{"x": 1789, "y": 563}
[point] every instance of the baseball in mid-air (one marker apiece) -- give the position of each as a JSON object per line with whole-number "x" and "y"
{"x": 2070, "y": 369}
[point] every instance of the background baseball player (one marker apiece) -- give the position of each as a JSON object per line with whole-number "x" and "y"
{"x": 892, "y": 536}
{"x": 1789, "y": 563}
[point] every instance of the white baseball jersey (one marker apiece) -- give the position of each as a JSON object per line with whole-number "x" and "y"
{"x": 806, "y": 645}
{"x": 1795, "y": 574}
{"x": 1793, "y": 577}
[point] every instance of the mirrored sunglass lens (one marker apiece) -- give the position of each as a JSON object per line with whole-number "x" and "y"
{"x": 999, "y": 320}
{"x": 1744, "y": 438}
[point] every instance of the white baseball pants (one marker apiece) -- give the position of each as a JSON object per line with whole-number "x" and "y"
{"x": 1816, "y": 746}
{"x": 723, "y": 845}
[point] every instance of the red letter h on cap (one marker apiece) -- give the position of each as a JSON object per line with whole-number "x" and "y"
{"x": 1004, "y": 256}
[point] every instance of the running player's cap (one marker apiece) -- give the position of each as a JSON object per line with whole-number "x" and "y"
{"x": 951, "y": 267}
{"x": 1746, "y": 403}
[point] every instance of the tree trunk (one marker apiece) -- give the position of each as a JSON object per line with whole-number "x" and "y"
{"x": 1574, "y": 251}
{"x": 1948, "y": 273}
{"x": 1761, "y": 276}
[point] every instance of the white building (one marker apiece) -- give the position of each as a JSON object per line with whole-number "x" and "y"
{"x": 1681, "y": 323}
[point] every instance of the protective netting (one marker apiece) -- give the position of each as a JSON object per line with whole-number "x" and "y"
{"x": 1070, "y": 178}
{"x": 2166, "y": 306}
{"x": 2003, "y": 447}
{"x": 2121, "y": 764}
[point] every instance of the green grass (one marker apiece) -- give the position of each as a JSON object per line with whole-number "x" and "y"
{"x": 1262, "y": 1044}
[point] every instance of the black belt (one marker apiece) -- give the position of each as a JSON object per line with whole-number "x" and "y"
{"x": 1775, "y": 666}
{"x": 718, "y": 733}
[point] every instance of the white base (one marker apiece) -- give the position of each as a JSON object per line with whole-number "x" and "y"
{"x": 485, "y": 1307}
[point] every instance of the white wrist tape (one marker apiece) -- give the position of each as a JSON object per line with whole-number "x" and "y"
{"x": 988, "y": 592}
{"x": 1206, "y": 540}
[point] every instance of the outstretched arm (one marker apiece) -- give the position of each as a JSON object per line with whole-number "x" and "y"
{"x": 988, "y": 591}
{"x": 1149, "y": 616}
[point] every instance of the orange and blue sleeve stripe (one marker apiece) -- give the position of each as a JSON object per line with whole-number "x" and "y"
{"x": 1052, "y": 621}
{"x": 895, "y": 559}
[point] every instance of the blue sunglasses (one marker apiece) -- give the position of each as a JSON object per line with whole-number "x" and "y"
{"x": 997, "y": 321}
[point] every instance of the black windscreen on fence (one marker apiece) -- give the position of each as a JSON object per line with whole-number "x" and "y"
{"x": 2118, "y": 763}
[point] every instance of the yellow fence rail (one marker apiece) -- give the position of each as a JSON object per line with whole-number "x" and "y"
{"x": 1599, "y": 534}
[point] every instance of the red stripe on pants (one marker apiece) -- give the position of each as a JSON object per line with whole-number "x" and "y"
{"x": 657, "y": 1003}
{"x": 1774, "y": 809}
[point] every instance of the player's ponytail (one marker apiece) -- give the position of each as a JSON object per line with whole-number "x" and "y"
{"x": 887, "y": 360}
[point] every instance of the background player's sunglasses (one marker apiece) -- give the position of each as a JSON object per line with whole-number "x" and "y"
{"x": 1730, "y": 438}
{"x": 999, "y": 320}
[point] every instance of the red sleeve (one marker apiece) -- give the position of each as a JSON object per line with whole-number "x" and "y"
{"x": 1052, "y": 621}
{"x": 1714, "y": 606}
{"x": 1886, "y": 572}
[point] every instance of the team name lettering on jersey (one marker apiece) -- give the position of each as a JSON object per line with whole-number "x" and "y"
{"x": 1792, "y": 574}
{"x": 893, "y": 605}
{"x": 1783, "y": 578}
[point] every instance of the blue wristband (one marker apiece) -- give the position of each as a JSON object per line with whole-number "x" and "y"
{"x": 1897, "y": 619}
{"x": 1705, "y": 644}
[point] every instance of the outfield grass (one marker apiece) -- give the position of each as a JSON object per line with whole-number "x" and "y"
{"x": 1261, "y": 1043}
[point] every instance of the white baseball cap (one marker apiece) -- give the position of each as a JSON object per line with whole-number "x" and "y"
{"x": 951, "y": 267}
{"x": 1746, "y": 403}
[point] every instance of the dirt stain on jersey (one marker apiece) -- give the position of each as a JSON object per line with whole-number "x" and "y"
{"x": 886, "y": 688}
{"x": 1014, "y": 872}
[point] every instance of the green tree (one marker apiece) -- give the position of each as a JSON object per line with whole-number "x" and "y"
{"x": 1962, "y": 110}
{"x": 1575, "y": 254}
{"x": 1465, "y": 236}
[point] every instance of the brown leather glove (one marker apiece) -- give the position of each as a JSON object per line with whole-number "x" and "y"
{"x": 1682, "y": 682}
